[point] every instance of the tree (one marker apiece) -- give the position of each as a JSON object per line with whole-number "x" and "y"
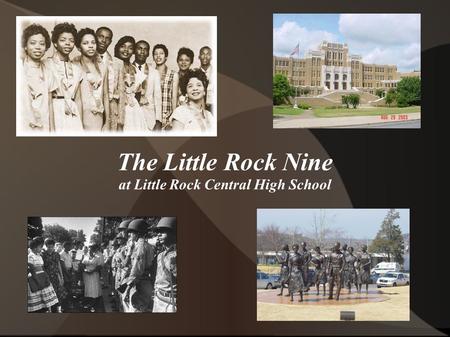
{"x": 408, "y": 91}
{"x": 391, "y": 96}
{"x": 281, "y": 89}
{"x": 354, "y": 100}
{"x": 271, "y": 238}
{"x": 389, "y": 239}
{"x": 57, "y": 233}
{"x": 346, "y": 100}
{"x": 34, "y": 227}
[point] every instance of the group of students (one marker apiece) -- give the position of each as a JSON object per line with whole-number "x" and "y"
{"x": 140, "y": 276}
{"x": 97, "y": 92}
{"x": 341, "y": 268}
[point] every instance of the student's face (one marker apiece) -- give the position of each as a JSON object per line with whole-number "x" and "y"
{"x": 141, "y": 52}
{"x": 159, "y": 56}
{"x": 88, "y": 45}
{"x": 38, "y": 249}
{"x": 184, "y": 62}
{"x": 195, "y": 89}
{"x": 50, "y": 248}
{"x": 104, "y": 38}
{"x": 205, "y": 57}
{"x": 126, "y": 50}
{"x": 35, "y": 47}
{"x": 65, "y": 43}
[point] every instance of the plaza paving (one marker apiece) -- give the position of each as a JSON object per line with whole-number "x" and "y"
{"x": 385, "y": 304}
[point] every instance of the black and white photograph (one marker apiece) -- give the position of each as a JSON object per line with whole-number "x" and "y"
{"x": 116, "y": 76}
{"x": 102, "y": 264}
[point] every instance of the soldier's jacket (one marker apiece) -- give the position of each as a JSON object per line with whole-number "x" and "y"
{"x": 141, "y": 260}
{"x": 166, "y": 272}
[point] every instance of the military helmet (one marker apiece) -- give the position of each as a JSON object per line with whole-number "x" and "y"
{"x": 138, "y": 225}
{"x": 124, "y": 225}
{"x": 167, "y": 222}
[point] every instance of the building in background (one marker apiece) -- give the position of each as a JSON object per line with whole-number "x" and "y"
{"x": 333, "y": 68}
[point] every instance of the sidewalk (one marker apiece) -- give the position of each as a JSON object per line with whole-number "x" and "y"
{"x": 323, "y": 122}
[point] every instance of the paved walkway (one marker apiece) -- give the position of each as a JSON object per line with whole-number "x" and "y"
{"x": 309, "y": 121}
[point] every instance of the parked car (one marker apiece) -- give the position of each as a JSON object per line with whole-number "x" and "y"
{"x": 266, "y": 281}
{"x": 393, "y": 279}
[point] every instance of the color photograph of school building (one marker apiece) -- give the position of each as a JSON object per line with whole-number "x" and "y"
{"x": 332, "y": 61}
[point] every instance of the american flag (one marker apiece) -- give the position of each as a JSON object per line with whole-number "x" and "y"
{"x": 296, "y": 50}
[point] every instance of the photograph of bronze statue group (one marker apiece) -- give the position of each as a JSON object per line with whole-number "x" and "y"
{"x": 312, "y": 264}
{"x": 102, "y": 264}
{"x": 116, "y": 76}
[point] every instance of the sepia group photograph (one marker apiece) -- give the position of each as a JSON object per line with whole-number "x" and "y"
{"x": 116, "y": 76}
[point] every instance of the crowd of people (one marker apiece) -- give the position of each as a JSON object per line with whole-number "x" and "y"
{"x": 98, "y": 92}
{"x": 138, "y": 272}
{"x": 341, "y": 268}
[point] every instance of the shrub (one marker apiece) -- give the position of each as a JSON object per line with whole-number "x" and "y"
{"x": 354, "y": 100}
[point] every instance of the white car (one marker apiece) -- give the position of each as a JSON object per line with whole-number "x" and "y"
{"x": 393, "y": 279}
{"x": 266, "y": 281}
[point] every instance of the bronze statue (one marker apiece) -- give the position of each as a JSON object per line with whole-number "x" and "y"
{"x": 283, "y": 260}
{"x": 335, "y": 267}
{"x": 306, "y": 255}
{"x": 363, "y": 263}
{"x": 296, "y": 282}
{"x": 349, "y": 269}
{"x": 318, "y": 259}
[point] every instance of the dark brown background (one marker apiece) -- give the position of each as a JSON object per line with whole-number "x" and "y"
{"x": 216, "y": 235}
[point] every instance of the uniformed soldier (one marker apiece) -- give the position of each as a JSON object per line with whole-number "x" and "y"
{"x": 165, "y": 299}
{"x": 138, "y": 292}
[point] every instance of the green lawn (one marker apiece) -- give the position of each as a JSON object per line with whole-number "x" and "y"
{"x": 286, "y": 110}
{"x": 343, "y": 112}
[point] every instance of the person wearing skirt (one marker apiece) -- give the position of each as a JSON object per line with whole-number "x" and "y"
{"x": 41, "y": 300}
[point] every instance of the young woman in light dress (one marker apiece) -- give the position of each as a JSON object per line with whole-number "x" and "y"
{"x": 192, "y": 116}
{"x": 94, "y": 84}
{"x": 69, "y": 76}
{"x": 38, "y": 82}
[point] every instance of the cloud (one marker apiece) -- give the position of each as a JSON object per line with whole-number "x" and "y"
{"x": 286, "y": 37}
{"x": 384, "y": 38}
{"x": 385, "y": 29}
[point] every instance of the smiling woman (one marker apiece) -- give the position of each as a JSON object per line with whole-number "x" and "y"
{"x": 38, "y": 80}
{"x": 192, "y": 116}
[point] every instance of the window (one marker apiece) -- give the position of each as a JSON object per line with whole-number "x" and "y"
{"x": 336, "y": 77}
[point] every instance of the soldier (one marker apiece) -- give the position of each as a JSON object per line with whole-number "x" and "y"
{"x": 138, "y": 292}
{"x": 349, "y": 269}
{"x": 335, "y": 266}
{"x": 122, "y": 229}
{"x": 306, "y": 255}
{"x": 318, "y": 259}
{"x": 363, "y": 269}
{"x": 165, "y": 299}
{"x": 283, "y": 260}
{"x": 296, "y": 282}
{"x": 117, "y": 265}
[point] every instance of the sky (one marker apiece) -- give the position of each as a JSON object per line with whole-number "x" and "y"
{"x": 358, "y": 223}
{"x": 378, "y": 38}
{"x": 85, "y": 223}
